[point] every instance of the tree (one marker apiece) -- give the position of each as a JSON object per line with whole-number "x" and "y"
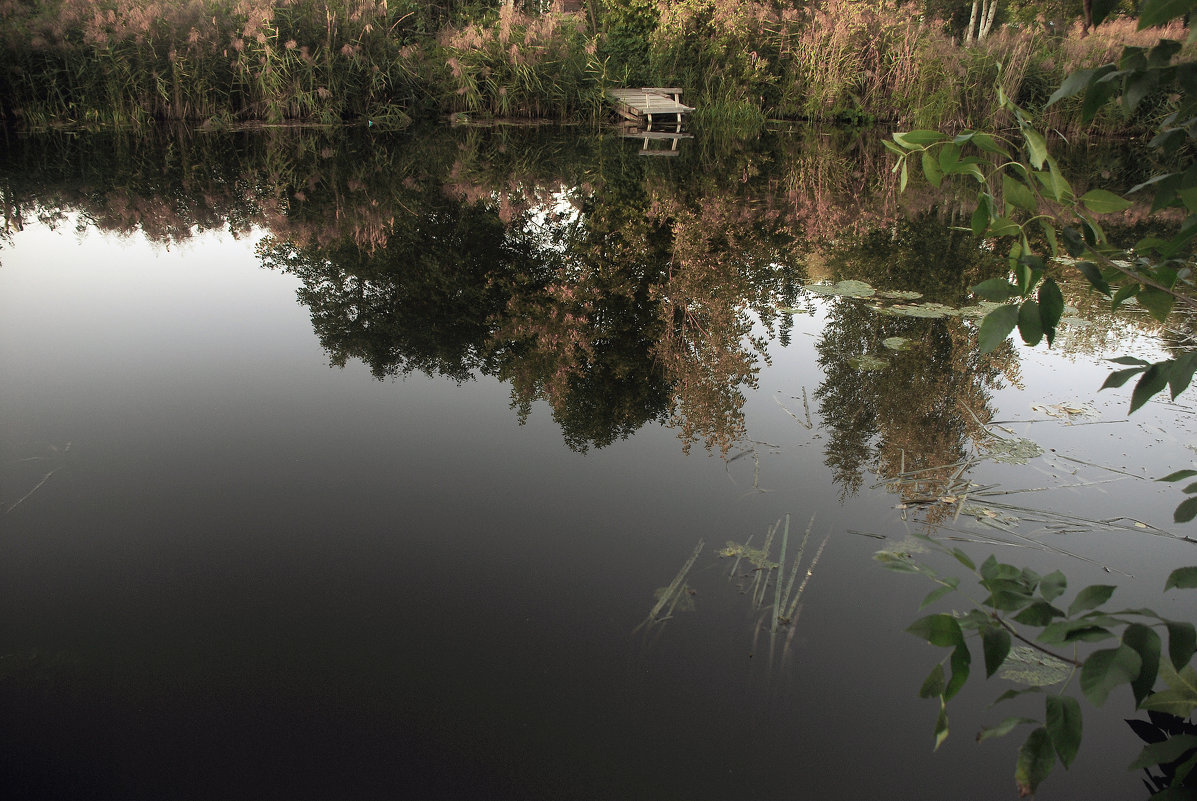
{"x": 980, "y": 21}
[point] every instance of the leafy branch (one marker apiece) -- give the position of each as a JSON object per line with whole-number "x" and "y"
{"x": 1023, "y": 197}
{"x": 1019, "y": 604}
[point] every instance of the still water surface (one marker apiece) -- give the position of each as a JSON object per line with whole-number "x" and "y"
{"x": 232, "y": 570}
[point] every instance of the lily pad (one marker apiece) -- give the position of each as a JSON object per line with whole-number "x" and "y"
{"x": 897, "y": 343}
{"x": 1033, "y": 668}
{"x": 927, "y": 310}
{"x": 843, "y": 289}
{"x": 792, "y": 310}
{"x": 898, "y": 294}
{"x": 867, "y": 362}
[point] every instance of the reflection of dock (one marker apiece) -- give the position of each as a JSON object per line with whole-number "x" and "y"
{"x": 650, "y": 138}
{"x": 650, "y": 105}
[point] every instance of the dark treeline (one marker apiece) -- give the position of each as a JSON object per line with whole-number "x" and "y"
{"x": 120, "y": 63}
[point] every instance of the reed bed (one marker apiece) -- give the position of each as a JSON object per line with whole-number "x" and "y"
{"x": 128, "y": 63}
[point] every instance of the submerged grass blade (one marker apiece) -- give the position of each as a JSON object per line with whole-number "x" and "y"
{"x": 781, "y": 563}
{"x": 674, "y": 589}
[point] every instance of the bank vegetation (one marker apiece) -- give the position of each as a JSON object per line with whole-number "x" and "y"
{"x": 225, "y": 63}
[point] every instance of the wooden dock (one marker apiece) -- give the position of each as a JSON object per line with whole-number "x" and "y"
{"x": 650, "y": 138}
{"x": 650, "y": 105}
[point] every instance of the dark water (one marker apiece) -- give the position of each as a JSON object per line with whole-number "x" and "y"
{"x": 230, "y": 570}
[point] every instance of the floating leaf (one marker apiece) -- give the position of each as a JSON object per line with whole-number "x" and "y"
{"x": 897, "y": 343}
{"x": 843, "y": 289}
{"x": 1033, "y": 668}
{"x": 1013, "y": 450}
{"x": 924, "y": 310}
{"x": 899, "y": 294}
{"x": 867, "y": 362}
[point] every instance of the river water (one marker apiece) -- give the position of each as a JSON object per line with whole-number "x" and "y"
{"x": 348, "y": 467}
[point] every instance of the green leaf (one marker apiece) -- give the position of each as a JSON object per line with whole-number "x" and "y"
{"x": 995, "y": 641}
{"x": 1099, "y": 201}
{"x": 1051, "y": 308}
{"x": 995, "y": 289}
{"x": 960, "y": 661}
{"x": 1098, "y": 93}
{"x": 1153, "y": 380}
{"x": 902, "y": 177}
{"x": 1091, "y": 597}
{"x": 1147, "y": 645}
{"x": 933, "y": 685}
{"x": 1186, "y": 511}
{"x": 1124, "y": 292}
{"x": 1106, "y": 669}
{"x": 1183, "y": 578}
{"x": 1029, "y": 326}
{"x": 1002, "y": 729}
{"x": 939, "y": 629}
{"x": 1018, "y": 194}
{"x": 1177, "y": 476}
{"x": 1052, "y": 585}
{"x": 1163, "y": 52}
{"x": 1036, "y": 147}
{"x": 982, "y": 215}
{"x": 963, "y": 559}
{"x": 1035, "y": 760}
{"x": 939, "y": 592}
{"x": 1120, "y": 377}
{"x": 1073, "y": 242}
{"x": 1182, "y": 642}
{"x": 1006, "y": 696}
{"x": 1039, "y": 613}
{"x": 920, "y": 138}
{"x": 1163, "y": 752}
{"x": 1063, "y": 725}
{"x": 1180, "y": 698}
{"x": 1072, "y": 85}
{"x": 1094, "y": 277}
{"x": 996, "y": 327}
{"x": 1073, "y": 630}
{"x": 1004, "y": 226}
{"x": 1158, "y": 12}
{"x": 941, "y": 725}
{"x": 931, "y": 168}
{"x": 1181, "y": 374}
{"x": 1156, "y": 301}
{"x": 1100, "y": 9}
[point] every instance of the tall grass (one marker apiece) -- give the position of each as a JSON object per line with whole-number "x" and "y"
{"x": 126, "y": 63}
{"x": 522, "y": 66}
